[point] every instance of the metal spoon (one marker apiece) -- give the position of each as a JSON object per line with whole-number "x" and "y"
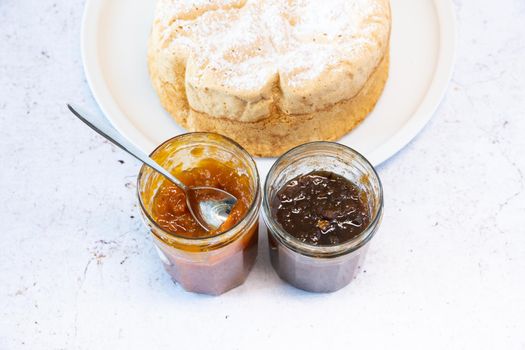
{"x": 209, "y": 206}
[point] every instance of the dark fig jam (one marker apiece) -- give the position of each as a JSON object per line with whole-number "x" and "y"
{"x": 321, "y": 208}
{"x": 323, "y": 204}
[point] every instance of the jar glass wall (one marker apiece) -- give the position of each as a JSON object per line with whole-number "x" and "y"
{"x": 312, "y": 267}
{"x": 211, "y": 264}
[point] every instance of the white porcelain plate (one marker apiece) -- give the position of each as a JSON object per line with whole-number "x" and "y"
{"x": 114, "y": 41}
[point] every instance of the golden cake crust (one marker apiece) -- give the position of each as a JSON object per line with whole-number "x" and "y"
{"x": 280, "y": 132}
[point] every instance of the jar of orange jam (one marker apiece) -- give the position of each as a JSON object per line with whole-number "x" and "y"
{"x": 209, "y": 262}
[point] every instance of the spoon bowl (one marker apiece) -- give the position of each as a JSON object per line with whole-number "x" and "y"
{"x": 210, "y": 205}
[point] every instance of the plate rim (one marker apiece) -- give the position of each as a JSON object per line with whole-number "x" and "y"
{"x": 401, "y": 138}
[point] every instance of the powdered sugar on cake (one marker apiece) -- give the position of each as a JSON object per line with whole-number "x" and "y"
{"x": 317, "y": 53}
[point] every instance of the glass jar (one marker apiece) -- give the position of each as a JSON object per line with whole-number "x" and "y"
{"x": 321, "y": 268}
{"x": 213, "y": 264}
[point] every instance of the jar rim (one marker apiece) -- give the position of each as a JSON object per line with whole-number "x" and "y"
{"x": 221, "y": 236}
{"x": 322, "y": 251}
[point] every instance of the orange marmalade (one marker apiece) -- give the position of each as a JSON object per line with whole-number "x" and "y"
{"x": 170, "y": 210}
{"x": 199, "y": 261}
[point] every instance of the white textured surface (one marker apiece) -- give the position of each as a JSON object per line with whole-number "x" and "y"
{"x": 78, "y": 271}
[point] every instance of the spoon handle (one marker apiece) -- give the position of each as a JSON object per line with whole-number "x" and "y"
{"x": 103, "y": 128}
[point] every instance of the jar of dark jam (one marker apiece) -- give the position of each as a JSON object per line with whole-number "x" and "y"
{"x": 201, "y": 261}
{"x": 303, "y": 251}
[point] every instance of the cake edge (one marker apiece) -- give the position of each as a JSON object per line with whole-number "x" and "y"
{"x": 279, "y": 132}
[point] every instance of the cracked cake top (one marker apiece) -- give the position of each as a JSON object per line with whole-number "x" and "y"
{"x": 238, "y": 58}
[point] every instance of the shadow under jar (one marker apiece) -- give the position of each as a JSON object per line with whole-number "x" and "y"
{"x": 320, "y": 264}
{"x": 202, "y": 262}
